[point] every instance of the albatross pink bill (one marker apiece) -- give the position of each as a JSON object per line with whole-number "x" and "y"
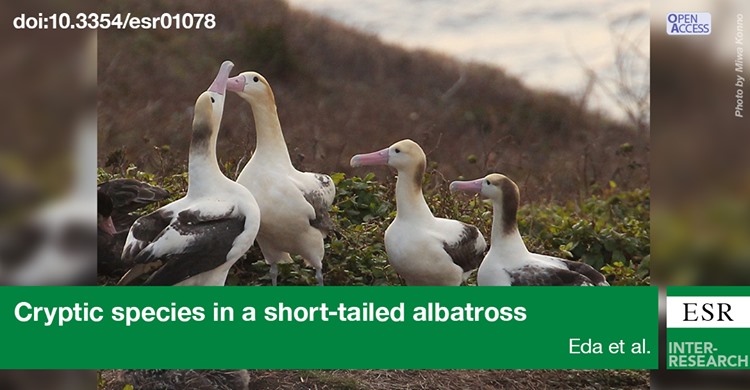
{"x": 108, "y": 226}
{"x": 375, "y": 158}
{"x": 472, "y": 187}
{"x": 236, "y": 84}
{"x": 220, "y": 82}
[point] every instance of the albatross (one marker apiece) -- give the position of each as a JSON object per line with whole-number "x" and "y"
{"x": 196, "y": 240}
{"x": 423, "y": 249}
{"x": 508, "y": 262}
{"x": 117, "y": 201}
{"x": 294, "y": 205}
{"x": 127, "y": 196}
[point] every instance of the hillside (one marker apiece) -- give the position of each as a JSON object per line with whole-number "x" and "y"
{"x": 340, "y": 92}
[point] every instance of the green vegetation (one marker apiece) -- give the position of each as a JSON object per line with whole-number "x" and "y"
{"x": 609, "y": 230}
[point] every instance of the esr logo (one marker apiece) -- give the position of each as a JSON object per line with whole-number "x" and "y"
{"x": 689, "y": 23}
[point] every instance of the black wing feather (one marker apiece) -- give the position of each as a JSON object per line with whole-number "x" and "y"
{"x": 322, "y": 220}
{"x": 586, "y": 270}
{"x": 146, "y": 229}
{"x": 464, "y": 252}
{"x": 546, "y": 276}
{"x": 212, "y": 241}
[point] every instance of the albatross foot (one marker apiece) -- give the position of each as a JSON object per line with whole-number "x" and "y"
{"x": 274, "y": 273}
{"x": 319, "y": 276}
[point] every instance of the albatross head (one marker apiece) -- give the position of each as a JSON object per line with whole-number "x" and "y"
{"x": 403, "y": 155}
{"x": 104, "y": 216}
{"x": 251, "y": 86}
{"x": 493, "y": 186}
{"x": 209, "y": 107}
{"x": 496, "y": 187}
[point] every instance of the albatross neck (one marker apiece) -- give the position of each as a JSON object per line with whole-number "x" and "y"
{"x": 505, "y": 235}
{"x": 410, "y": 203}
{"x": 204, "y": 174}
{"x": 270, "y": 144}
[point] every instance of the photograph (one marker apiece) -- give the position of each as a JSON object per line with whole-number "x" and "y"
{"x": 382, "y": 144}
{"x": 374, "y": 195}
{"x": 363, "y": 155}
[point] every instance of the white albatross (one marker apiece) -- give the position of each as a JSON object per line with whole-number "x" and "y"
{"x": 196, "y": 240}
{"x": 424, "y": 250}
{"x": 294, "y": 205}
{"x": 508, "y": 262}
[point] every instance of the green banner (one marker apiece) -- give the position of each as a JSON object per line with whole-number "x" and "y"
{"x": 708, "y": 349}
{"x": 329, "y": 327}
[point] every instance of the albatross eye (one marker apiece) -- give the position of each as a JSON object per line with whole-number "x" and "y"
{"x": 488, "y": 182}
{"x": 212, "y": 100}
{"x": 397, "y": 150}
{"x": 255, "y": 78}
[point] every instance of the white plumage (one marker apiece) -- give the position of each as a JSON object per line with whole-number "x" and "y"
{"x": 196, "y": 240}
{"x": 424, "y": 250}
{"x": 294, "y": 205}
{"x": 508, "y": 262}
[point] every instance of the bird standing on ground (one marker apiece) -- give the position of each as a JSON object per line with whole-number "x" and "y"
{"x": 508, "y": 262}
{"x": 294, "y": 205}
{"x": 424, "y": 250}
{"x": 196, "y": 240}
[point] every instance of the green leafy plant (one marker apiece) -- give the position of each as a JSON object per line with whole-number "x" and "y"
{"x": 600, "y": 230}
{"x": 609, "y": 231}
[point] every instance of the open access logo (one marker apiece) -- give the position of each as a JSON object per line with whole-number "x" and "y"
{"x": 688, "y": 23}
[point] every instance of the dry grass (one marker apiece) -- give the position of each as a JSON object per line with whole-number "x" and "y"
{"x": 434, "y": 379}
{"x": 340, "y": 92}
{"x": 444, "y": 380}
